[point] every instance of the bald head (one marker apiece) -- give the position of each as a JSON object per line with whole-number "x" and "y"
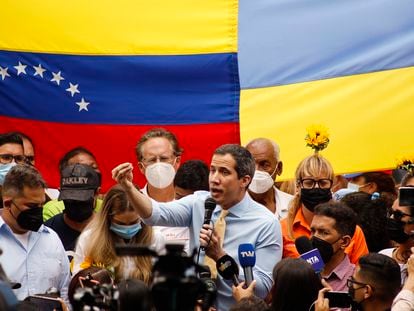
{"x": 267, "y": 155}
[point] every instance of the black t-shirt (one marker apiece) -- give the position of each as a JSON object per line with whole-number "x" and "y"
{"x": 67, "y": 235}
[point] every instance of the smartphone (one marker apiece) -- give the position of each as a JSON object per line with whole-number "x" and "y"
{"x": 45, "y": 303}
{"x": 338, "y": 299}
{"x": 406, "y": 196}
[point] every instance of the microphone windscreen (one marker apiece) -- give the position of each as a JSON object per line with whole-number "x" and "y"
{"x": 303, "y": 244}
{"x": 227, "y": 267}
{"x": 210, "y": 204}
{"x": 247, "y": 255}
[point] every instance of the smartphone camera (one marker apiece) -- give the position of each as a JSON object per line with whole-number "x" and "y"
{"x": 406, "y": 196}
{"x": 338, "y": 299}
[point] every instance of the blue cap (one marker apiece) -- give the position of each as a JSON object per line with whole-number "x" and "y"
{"x": 353, "y": 175}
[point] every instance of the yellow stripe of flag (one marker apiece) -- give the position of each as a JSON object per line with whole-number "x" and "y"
{"x": 369, "y": 117}
{"x": 132, "y": 27}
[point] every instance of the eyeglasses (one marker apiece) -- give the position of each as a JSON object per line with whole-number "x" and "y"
{"x": 162, "y": 159}
{"x": 398, "y": 215}
{"x": 352, "y": 281}
{"x": 8, "y": 158}
{"x": 309, "y": 183}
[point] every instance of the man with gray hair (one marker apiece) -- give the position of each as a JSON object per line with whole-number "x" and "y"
{"x": 262, "y": 189}
{"x": 33, "y": 254}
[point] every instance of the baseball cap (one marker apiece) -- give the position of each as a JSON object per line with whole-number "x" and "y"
{"x": 78, "y": 182}
{"x": 352, "y": 175}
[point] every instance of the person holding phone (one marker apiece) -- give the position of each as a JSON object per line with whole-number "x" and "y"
{"x": 400, "y": 226}
{"x": 373, "y": 287}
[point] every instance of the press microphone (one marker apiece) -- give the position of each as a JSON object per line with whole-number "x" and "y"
{"x": 309, "y": 253}
{"x": 247, "y": 259}
{"x": 209, "y": 206}
{"x": 228, "y": 269}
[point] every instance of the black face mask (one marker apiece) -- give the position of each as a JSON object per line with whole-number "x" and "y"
{"x": 312, "y": 197}
{"x": 30, "y": 219}
{"x": 324, "y": 247}
{"x": 78, "y": 211}
{"x": 396, "y": 231}
{"x": 355, "y": 306}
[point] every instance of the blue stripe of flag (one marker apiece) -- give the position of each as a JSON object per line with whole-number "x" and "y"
{"x": 136, "y": 90}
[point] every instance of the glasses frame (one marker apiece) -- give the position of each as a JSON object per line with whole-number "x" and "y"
{"x": 400, "y": 216}
{"x": 351, "y": 281}
{"x": 171, "y": 160}
{"x": 316, "y": 181}
{"x": 13, "y": 157}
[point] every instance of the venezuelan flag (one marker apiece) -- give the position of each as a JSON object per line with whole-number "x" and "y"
{"x": 99, "y": 74}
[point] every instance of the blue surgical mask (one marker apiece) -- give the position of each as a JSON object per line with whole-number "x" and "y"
{"x": 4, "y": 169}
{"x": 126, "y": 232}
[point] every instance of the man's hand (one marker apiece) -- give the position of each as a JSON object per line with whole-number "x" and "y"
{"x": 322, "y": 304}
{"x": 122, "y": 174}
{"x": 239, "y": 292}
{"x": 211, "y": 242}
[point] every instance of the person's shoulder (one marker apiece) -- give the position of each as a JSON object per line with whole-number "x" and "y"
{"x": 54, "y": 221}
{"x": 261, "y": 211}
{"x": 284, "y": 195}
{"x": 387, "y": 251}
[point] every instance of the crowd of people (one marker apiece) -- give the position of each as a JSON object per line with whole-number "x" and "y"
{"x": 179, "y": 243}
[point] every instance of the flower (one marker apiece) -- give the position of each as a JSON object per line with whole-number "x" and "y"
{"x": 406, "y": 163}
{"x": 317, "y": 137}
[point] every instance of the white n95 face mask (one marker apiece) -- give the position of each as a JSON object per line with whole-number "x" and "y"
{"x": 261, "y": 182}
{"x": 160, "y": 175}
{"x": 352, "y": 186}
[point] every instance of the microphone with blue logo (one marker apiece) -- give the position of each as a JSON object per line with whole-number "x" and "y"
{"x": 309, "y": 253}
{"x": 247, "y": 259}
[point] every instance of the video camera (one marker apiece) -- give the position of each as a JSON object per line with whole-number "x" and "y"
{"x": 175, "y": 283}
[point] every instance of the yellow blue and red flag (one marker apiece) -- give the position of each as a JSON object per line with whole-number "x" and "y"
{"x": 101, "y": 73}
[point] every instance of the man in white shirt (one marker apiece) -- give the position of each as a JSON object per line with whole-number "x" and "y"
{"x": 159, "y": 156}
{"x": 33, "y": 254}
{"x": 266, "y": 154}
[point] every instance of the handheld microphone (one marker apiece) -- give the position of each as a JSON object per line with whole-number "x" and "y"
{"x": 228, "y": 269}
{"x": 247, "y": 259}
{"x": 209, "y": 206}
{"x": 309, "y": 253}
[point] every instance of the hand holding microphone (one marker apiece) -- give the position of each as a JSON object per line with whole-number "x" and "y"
{"x": 209, "y": 206}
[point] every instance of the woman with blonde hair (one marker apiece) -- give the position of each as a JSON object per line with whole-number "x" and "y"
{"x": 314, "y": 179}
{"x": 117, "y": 223}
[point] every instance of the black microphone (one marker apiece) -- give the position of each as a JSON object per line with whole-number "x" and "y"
{"x": 228, "y": 269}
{"x": 209, "y": 206}
{"x": 309, "y": 253}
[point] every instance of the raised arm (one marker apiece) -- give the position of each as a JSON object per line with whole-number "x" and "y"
{"x": 122, "y": 174}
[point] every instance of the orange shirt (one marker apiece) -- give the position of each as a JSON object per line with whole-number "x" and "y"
{"x": 357, "y": 248}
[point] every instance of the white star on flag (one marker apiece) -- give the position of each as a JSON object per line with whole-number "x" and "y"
{"x": 4, "y": 73}
{"x": 83, "y": 105}
{"x": 39, "y": 70}
{"x": 73, "y": 88}
{"x": 20, "y": 68}
{"x": 57, "y": 77}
